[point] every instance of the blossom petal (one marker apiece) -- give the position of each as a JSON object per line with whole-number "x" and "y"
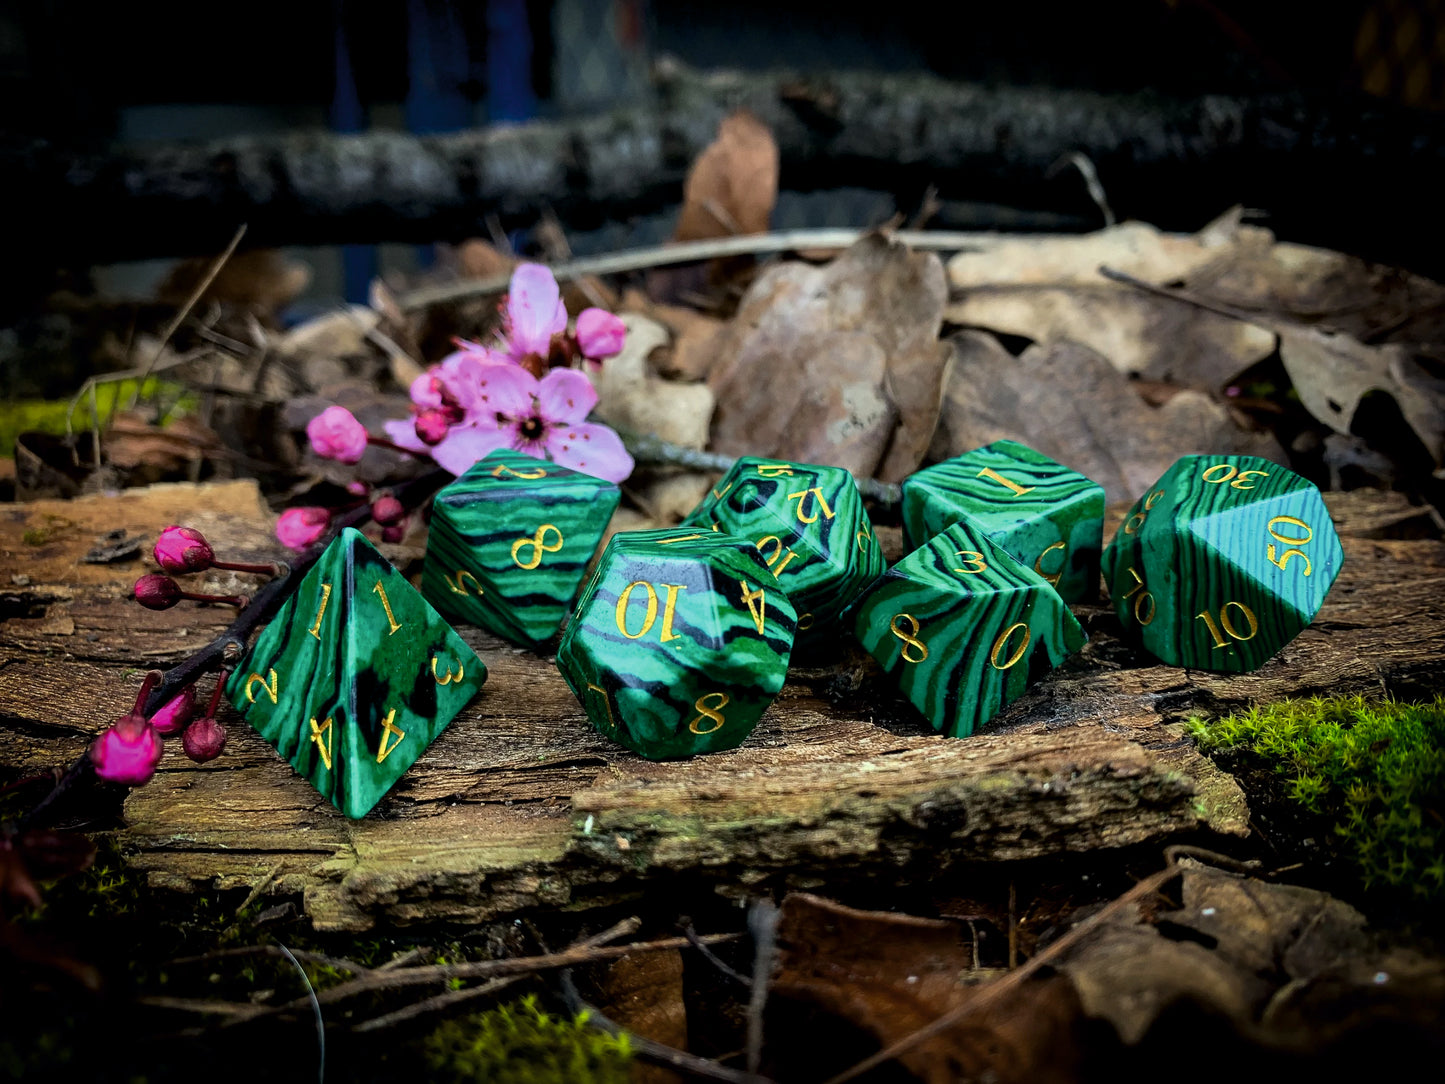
{"x": 402, "y": 433}
{"x": 501, "y": 388}
{"x": 565, "y": 397}
{"x": 425, "y": 390}
{"x": 600, "y": 334}
{"x": 533, "y": 305}
{"x": 464, "y": 445}
{"x": 592, "y": 449}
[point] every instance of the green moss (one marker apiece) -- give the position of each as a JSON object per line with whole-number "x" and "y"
{"x": 1375, "y": 768}
{"x": 48, "y": 415}
{"x": 520, "y": 1044}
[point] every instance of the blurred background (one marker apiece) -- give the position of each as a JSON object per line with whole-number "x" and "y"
{"x": 86, "y": 76}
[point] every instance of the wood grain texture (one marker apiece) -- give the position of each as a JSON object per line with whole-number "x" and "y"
{"x": 520, "y": 804}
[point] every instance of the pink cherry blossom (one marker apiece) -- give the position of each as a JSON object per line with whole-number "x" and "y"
{"x": 183, "y": 549}
{"x": 173, "y": 717}
{"x": 336, "y": 434}
{"x": 299, "y": 527}
{"x": 128, "y": 752}
{"x": 534, "y": 313}
{"x": 600, "y": 334}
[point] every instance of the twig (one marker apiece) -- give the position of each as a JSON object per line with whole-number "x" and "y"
{"x": 316, "y": 1009}
{"x": 338, "y": 962}
{"x": 713, "y": 958}
{"x": 987, "y": 995}
{"x": 203, "y": 1007}
{"x": 690, "y": 251}
{"x": 763, "y": 925}
{"x": 185, "y": 310}
{"x": 520, "y": 965}
{"x": 650, "y": 1050}
{"x": 625, "y": 928}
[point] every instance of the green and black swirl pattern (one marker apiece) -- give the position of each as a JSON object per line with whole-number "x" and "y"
{"x": 809, "y": 524}
{"x": 680, "y": 641}
{"x": 964, "y": 629}
{"x": 1222, "y": 562}
{"x": 354, "y": 676}
{"x": 1049, "y": 517}
{"x": 510, "y": 541}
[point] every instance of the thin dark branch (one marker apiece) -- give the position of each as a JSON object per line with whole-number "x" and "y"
{"x": 763, "y": 925}
{"x": 713, "y": 958}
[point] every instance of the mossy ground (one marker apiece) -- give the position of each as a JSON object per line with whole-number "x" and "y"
{"x": 49, "y": 415}
{"x": 1373, "y": 771}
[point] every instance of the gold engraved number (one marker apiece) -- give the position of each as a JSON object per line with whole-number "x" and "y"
{"x": 1225, "y": 625}
{"x": 389, "y": 729}
{"x": 386, "y": 605}
{"x": 711, "y": 711}
{"x": 778, "y": 551}
{"x": 864, "y": 537}
{"x": 539, "y": 545}
{"x": 909, "y": 638}
{"x": 719, "y": 496}
{"x": 1289, "y": 540}
{"x": 971, "y": 557}
{"x": 455, "y": 582}
{"x": 529, "y": 475}
{"x": 1144, "y": 596}
{"x": 257, "y": 679}
{"x": 682, "y": 538}
{"x": 461, "y": 672}
{"x": 327, "y": 732}
{"x": 1002, "y": 642}
{"x": 1137, "y": 519}
{"x": 1051, "y": 577}
{"x": 315, "y": 629}
{"x": 606, "y": 703}
{"x": 669, "y": 607}
{"x": 802, "y": 498}
{"x": 774, "y": 470}
{"x": 805, "y": 622}
{"x": 994, "y": 476}
{"x": 757, "y": 603}
{"x": 1231, "y": 472}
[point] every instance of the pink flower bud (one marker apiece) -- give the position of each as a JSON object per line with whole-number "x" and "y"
{"x": 183, "y": 549}
{"x": 157, "y": 592}
{"x": 128, "y": 752}
{"x": 387, "y": 511}
{"x": 203, "y": 740}
{"x": 173, "y": 717}
{"x": 394, "y": 533}
{"x": 426, "y": 390}
{"x": 356, "y": 489}
{"x": 336, "y": 434}
{"x": 600, "y": 334}
{"x": 432, "y": 426}
{"x": 299, "y": 527}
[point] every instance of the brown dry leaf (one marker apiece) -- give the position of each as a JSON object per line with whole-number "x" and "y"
{"x": 1135, "y": 248}
{"x": 733, "y": 185}
{"x": 131, "y": 443}
{"x": 1333, "y": 372}
{"x": 804, "y": 370}
{"x": 630, "y": 397}
{"x": 1153, "y": 337}
{"x": 478, "y": 259}
{"x": 643, "y": 994}
{"x": 694, "y": 336}
{"x": 890, "y": 974}
{"x": 1068, "y": 402}
{"x": 262, "y": 280}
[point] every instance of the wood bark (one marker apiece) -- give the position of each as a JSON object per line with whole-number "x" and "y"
{"x": 520, "y": 804}
{"x": 1174, "y": 162}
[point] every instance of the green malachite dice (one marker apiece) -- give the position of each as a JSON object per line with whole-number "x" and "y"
{"x": 679, "y": 643}
{"x": 510, "y": 541}
{"x": 1222, "y": 562}
{"x": 1049, "y": 517}
{"x": 809, "y": 524}
{"x": 963, "y": 628}
{"x": 354, "y": 676}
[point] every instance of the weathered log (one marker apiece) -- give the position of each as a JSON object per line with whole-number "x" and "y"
{"x": 520, "y": 804}
{"x": 1174, "y": 162}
